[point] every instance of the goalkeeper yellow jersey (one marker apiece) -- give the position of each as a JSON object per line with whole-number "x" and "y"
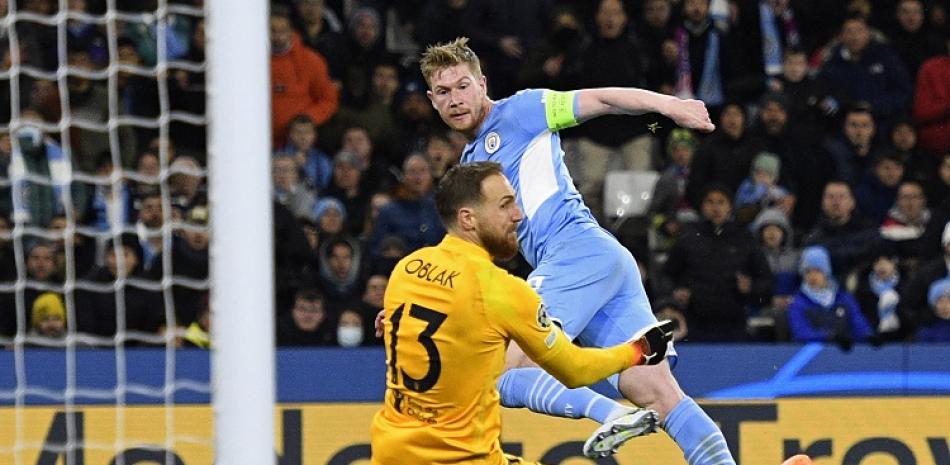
{"x": 450, "y": 313}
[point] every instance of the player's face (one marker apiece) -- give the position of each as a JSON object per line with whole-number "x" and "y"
{"x": 498, "y": 217}
{"x": 459, "y": 97}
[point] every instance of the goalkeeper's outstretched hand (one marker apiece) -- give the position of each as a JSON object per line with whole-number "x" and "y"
{"x": 653, "y": 342}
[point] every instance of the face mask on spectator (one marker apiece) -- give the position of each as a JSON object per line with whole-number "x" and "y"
{"x": 349, "y": 336}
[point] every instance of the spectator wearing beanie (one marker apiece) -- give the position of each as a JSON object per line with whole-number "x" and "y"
{"x": 48, "y": 316}
{"x": 938, "y": 296}
{"x": 760, "y": 190}
{"x": 821, "y": 311}
{"x": 914, "y": 305}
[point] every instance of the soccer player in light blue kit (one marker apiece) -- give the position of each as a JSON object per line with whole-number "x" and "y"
{"x": 587, "y": 280}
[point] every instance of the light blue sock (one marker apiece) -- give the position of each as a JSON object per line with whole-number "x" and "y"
{"x": 697, "y": 435}
{"x": 540, "y": 392}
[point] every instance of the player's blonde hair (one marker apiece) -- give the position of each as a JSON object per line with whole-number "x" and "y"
{"x": 441, "y": 56}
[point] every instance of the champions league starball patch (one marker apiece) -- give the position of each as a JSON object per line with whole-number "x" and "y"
{"x": 544, "y": 321}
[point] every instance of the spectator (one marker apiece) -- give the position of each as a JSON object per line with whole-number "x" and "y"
{"x": 372, "y": 301}
{"x": 198, "y": 332}
{"x": 877, "y": 295}
{"x": 149, "y": 229}
{"x": 914, "y": 306}
{"x": 307, "y": 323}
{"x": 912, "y": 228}
{"x": 48, "y": 316}
{"x": 725, "y": 156}
{"x": 775, "y": 237}
{"x": 932, "y": 104}
{"x": 840, "y": 230}
{"x": 416, "y": 120}
{"x": 186, "y": 92}
{"x": 938, "y": 296}
{"x": 853, "y": 149}
{"x": 938, "y": 185}
{"x": 657, "y": 33}
{"x": 767, "y": 29}
{"x": 717, "y": 270}
{"x": 40, "y": 271}
{"x": 376, "y": 203}
{"x": 441, "y": 154}
{"x": 863, "y": 70}
{"x": 502, "y": 31}
{"x": 340, "y": 269}
{"x": 821, "y": 311}
{"x": 313, "y": 23}
{"x": 289, "y": 189}
{"x": 148, "y": 169}
{"x": 412, "y": 215}
{"x": 596, "y": 65}
{"x": 144, "y": 309}
{"x": 439, "y": 21}
{"x": 330, "y": 216}
{"x": 761, "y": 190}
{"x": 912, "y": 38}
{"x": 299, "y": 79}
{"x": 186, "y": 184}
{"x": 703, "y": 65}
{"x": 315, "y": 166}
{"x": 139, "y": 97}
{"x": 190, "y": 260}
{"x": 810, "y": 107}
{"x": 84, "y": 248}
{"x": 877, "y": 190}
{"x": 347, "y": 187}
{"x": 39, "y": 155}
{"x": 669, "y": 208}
{"x": 903, "y": 139}
{"x": 291, "y": 256}
{"x": 365, "y": 48}
{"x": 544, "y": 63}
{"x": 377, "y": 113}
{"x": 110, "y": 203}
{"x": 350, "y": 330}
{"x": 377, "y": 174}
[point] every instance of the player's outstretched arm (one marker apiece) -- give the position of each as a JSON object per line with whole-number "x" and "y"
{"x": 690, "y": 114}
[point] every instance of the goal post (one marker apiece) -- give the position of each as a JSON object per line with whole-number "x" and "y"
{"x": 241, "y": 255}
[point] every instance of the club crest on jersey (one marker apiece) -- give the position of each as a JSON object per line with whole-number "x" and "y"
{"x": 544, "y": 321}
{"x": 492, "y": 142}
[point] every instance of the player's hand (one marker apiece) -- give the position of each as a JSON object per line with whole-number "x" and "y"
{"x": 378, "y": 324}
{"x": 690, "y": 114}
{"x": 653, "y": 342}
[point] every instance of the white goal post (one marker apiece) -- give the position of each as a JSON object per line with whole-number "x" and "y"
{"x": 241, "y": 256}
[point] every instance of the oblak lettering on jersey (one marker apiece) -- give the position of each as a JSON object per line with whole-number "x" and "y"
{"x": 431, "y": 273}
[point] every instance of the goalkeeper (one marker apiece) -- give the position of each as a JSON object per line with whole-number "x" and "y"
{"x": 449, "y": 316}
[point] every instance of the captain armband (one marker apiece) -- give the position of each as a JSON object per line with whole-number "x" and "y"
{"x": 559, "y": 109}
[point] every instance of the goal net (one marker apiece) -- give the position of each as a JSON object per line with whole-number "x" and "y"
{"x": 105, "y": 220}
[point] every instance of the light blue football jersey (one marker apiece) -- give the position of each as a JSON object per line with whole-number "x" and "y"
{"x": 517, "y": 135}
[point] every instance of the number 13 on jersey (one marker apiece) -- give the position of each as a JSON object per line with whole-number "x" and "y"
{"x": 434, "y": 320}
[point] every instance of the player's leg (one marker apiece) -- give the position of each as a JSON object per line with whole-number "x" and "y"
{"x": 572, "y": 294}
{"x": 655, "y": 387}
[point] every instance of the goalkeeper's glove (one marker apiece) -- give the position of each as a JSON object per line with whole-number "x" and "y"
{"x": 652, "y": 342}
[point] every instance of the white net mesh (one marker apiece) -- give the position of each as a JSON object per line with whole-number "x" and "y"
{"x": 101, "y": 150}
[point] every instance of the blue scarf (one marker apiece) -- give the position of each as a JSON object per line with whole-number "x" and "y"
{"x": 824, "y": 296}
{"x": 710, "y": 83}
{"x": 771, "y": 44}
{"x": 879, "y": 285}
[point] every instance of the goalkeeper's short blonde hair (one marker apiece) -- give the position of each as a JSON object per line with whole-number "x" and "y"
{"x": 441, "y": 56}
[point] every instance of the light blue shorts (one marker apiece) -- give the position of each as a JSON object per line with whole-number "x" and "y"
{"x": 592, "y": 285}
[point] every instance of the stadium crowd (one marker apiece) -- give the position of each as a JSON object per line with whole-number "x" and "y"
{"x": 817, "y": 211}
